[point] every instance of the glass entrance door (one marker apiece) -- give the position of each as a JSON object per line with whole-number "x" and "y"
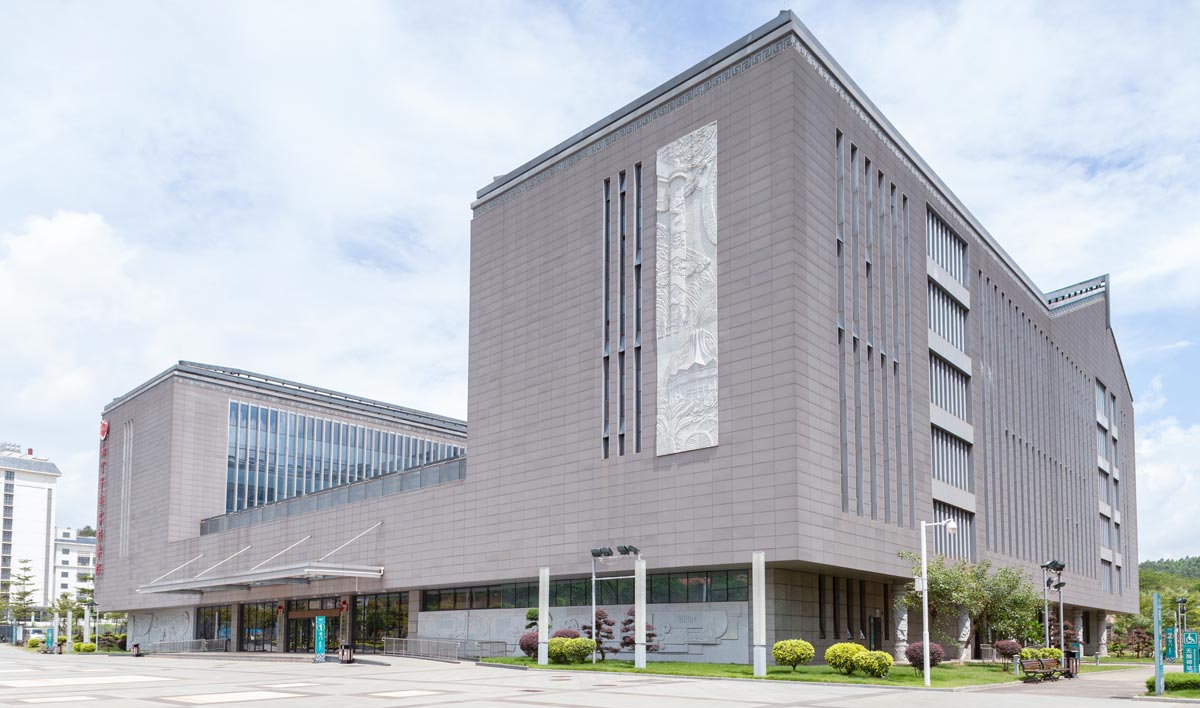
{"x": 301, "y": 630}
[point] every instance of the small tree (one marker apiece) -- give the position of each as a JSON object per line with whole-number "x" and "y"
{"x": 21, "y": 595}
{"x": 602, "y": 634}
{"x": 531, "y": 615}
{"x": 85, "y": 592}
{"x": 1141, "y": 642}
{"x": 1007, "y": 649}
{"x": 86, "y": 532}
{"x": 1117, "y": 642}
{"x": 628, "y": 642}
{"x": 1070, "y": 636}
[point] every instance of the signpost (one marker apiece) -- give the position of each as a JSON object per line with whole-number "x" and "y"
{"x": 1191, "y": 652}
{"x": 1158, "y": 647}
{"x": 319, "y": 640}
{"x": 1169, "y": 655}
{"x": 50, "y": 640}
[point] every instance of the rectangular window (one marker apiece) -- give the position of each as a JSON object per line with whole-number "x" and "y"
{"x": 621, "y": 220}
{"x": 948, "y": 387}
{"x": 1101, "y": 442}
{"x": 637, "y": 307}
{"x": 947, "y": 318}
{"x": 945, "y": 247}
{"x": 961, "y": 544}
{"x": 951, "y": 460}
{"x": 821, "y": 604}
{"x": 605, "y": 354}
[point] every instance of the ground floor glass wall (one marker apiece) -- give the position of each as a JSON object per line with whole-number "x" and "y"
{"x": 214, "y": 622}
{"x": 302, "y": 619}
{"x": 258, "y": 627}
{"x": 379, "y": 616}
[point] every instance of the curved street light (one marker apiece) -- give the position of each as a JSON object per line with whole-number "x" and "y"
{"x": 951, "y": 529}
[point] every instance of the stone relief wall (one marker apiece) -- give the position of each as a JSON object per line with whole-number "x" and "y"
{"x": 714, "y": 631}
{"x": 685, "y": 292}
{"x": 160, "y": 626}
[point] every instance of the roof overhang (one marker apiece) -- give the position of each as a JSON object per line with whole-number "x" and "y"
{"x": 295, "y": 573}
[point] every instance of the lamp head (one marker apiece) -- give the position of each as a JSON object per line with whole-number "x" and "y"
{"x": 601, "y": 552}
{"x": 1059, "y": 586}
{"x": 951, "y": 527}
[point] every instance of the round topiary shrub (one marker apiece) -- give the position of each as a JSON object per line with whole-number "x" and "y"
{"x": 1050, "y": 653}
{"x": 529, "y": 643}
{"x": 87, "y": 647}
{"x": 121, "y": 642}
{"x": 33, "y": 642}
{"x": 565, "y": 650}
{"x": 792, "y": 652}
{"x": 1029, "y": 653}
{"x": 840, "y": 656}
{"x": 876, "y": 664}
{"x": 915, "y": 653}
{"x": 1007, "y": 648}
{"x": 565, "y": 633}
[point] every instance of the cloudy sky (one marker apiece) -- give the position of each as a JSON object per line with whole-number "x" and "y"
{"x": 284, "y": 187}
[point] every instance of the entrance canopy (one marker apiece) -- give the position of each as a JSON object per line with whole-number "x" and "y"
{"x": 294, "y": 573}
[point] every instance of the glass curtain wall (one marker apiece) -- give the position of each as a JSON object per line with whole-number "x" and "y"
{"x": 379, "y": 616}
{"x": 301, "y": 623}
{"x": 275, "y": 454}
{"x": 258, "y": 627}
{"x": 214, "y": 622}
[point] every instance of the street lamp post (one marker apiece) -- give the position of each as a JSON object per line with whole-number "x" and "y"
{"x": 951, "y": 529}
{"x": 604, "y": 553}
{"x": 1054, "y": 566}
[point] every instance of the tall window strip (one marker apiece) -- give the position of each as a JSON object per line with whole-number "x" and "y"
{"x": 945, "y": 247}
{"x": 606, "y": 352}
{"x": 867, "y": 269}
{"x": 961, "y": 544}
{"x": 621, "y": 221}
{"x": 883, "y": 351}
{"x": 951, "y": 460}
{"x": 276, "y": 454}
{"x": 947, "y": 387}
{"x": 637, "y": 307}
{"x": 947, "y": 317}
{"x": 841, "y": 323}
{"x": 897, "y": 398}
{"x": 856, "y": 238}
{"x": 126, "y": 487}
{"x": 821, "y": 605}
{"x": 912, "y": 495}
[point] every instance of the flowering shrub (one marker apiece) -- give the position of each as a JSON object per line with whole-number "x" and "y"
{"x": 565, "y": 633}
{"x": 1007, "y": 648}
{"x": 915, "y": 653}
{"x": 791, "y": 652}
{"x": 873, "y": 663}
{"x": 528, "y": 643}
{"x": 840, "y": 656}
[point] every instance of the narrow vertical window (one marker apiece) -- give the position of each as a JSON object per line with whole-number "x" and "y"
{"x": 868, "y": 256}
{"x": 841, "y": 323}
{"x": 606, "y": 351}
{"x": 856, "y": 260}
{"x": 621, "y": 221}
{"x": 637, "y": 307}
{"x": 821, "y": 604}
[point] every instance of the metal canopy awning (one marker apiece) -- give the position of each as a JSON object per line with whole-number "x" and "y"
{"x": 278, "y": 575}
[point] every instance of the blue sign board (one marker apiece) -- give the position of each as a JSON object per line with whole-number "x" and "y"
{"x": 1169, "y": 634}
{"x": 319, "y": 641}
{"x": 50, "y": 639}
{"x": 1191, "y": 652}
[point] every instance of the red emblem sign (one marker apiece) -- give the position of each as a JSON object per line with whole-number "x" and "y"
{"x": 104, "y": 430}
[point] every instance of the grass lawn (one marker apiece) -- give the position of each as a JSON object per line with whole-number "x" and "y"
{"x": 944, "y": 676}
{"x": 1121, "y": 660}
{"x": 1187, "y": 693}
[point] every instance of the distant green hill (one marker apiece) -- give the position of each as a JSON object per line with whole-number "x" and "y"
{"x": 1186, "y": 567}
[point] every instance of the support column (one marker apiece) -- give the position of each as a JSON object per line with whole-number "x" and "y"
{"x": 87, "y": 624}
{"x": 344, "y": 630}
{"x": 543, "y": 616}
{"x": 758, "y": 565}
{"x": 414, "y": 614}
{"x": 964, "y": 636}
{"x": 280, "y": 643}
{"x": 639, "y": 617}
{"x": 1102, "y": 626}
{"x": 1077, "y": 625}
{"x": 57, "y": 630}
{"x": 899, "y": 623}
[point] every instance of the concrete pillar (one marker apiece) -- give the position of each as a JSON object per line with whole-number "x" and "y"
{"x": 639, "y": 617}
{"x": 1077, "y": 625}
{"x": 57, "y": 631}
{"x": 758, "y": 601}
{"x": 280, "y": 642}
{"x": 344, "y": 626}
{"x": 414, "y": 613}
{"x": 964, "y": 636}
{"x": 87, "y": 624}
{"x": 235, "y": 627}
{"x": 543, "y": 616}
{"x": 899, "y": 622}
{"x": 70, "y": 646}
{"x": 1102, "y": 624}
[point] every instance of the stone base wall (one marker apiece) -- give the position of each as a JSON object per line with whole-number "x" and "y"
{"x": 170, "y": 625}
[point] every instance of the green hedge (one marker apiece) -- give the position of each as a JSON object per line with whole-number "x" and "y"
{"x": 791, "y": 652}
{"x": 563, "y": 650}
{"x": 840, "y": 657}
{"x": 873, "y": 663}
{"x": 1176, "y": 682}
{"x": 1043, "y": 653}
{"x": 33, "y": 642}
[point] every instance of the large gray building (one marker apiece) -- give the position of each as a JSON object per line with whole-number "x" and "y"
{"x": 739, "y": 313}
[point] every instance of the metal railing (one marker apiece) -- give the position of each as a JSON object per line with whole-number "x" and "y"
{"x": 445, "y": 650}
{"x": 188, "y": 646}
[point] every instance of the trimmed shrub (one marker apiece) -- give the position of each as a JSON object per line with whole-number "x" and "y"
{"x": 565, "y": 633}
{"x": 1029, "y": 653}
{"x": 1007, "y": 648}
{"x": 33, "y": 642}
{"x": 873, "y": 663}
{"x": 915, "y": 653}
{"x": 564, "y": 650}
{"x": 528, "y": 643}
{"x": 792, "y": 652}
{"x": 840, "y": 656}
{"x": 122, "y": 640}
{"x": 1176, "y": 682}
{"x": 86, "y": 647}
{"x": 75, "y": 646}
{"x": 1050, "y": 653}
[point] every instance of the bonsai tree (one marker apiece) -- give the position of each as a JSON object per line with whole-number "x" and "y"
{"x": 602, "y": 634}
{"x": 628, "y": 642}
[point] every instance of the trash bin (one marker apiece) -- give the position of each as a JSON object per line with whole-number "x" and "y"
{"x": 346, "y": 654}
{"x": 137, "y": 650}
{"x": 1071, "y": 663}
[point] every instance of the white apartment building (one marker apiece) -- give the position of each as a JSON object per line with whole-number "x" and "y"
{"x": 74, "y": 559}
{"x": 28, "y": 520}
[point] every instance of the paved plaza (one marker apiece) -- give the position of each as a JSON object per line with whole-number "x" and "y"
{"x": 100, "y": 681}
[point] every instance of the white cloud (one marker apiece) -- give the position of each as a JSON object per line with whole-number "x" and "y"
{"x": 1153, "y": 399}
{"x": 1168, "y": 489}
